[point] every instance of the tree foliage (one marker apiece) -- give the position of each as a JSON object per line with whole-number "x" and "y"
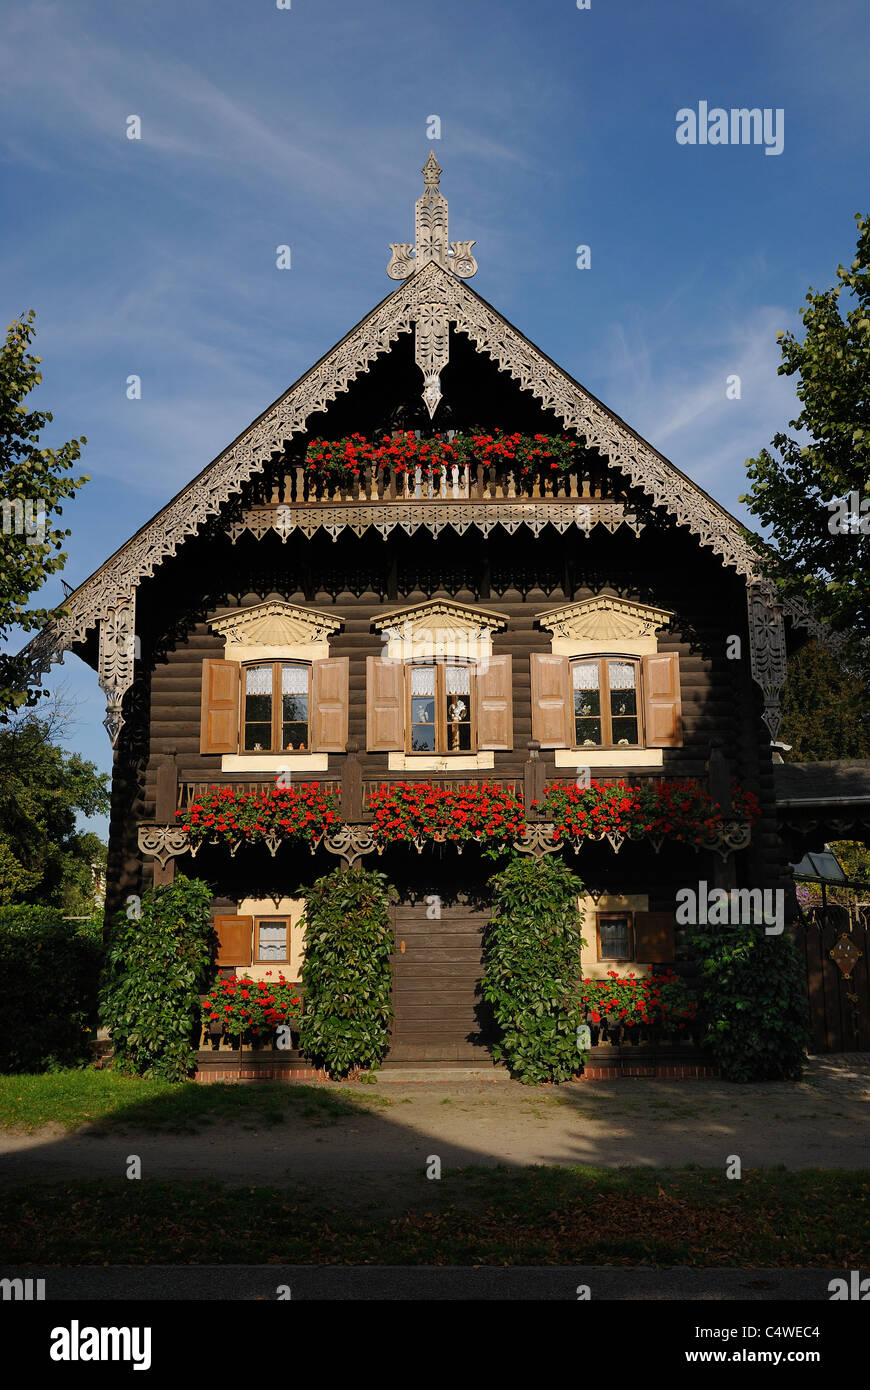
{"x": 44, "y": 958}
{"x": 754, "y": 1002}
{"x": 157, "y": 963}
{"x": 44, "y": 858}
{"x": 819, "y": 554}
{"x": 33, "y": 480}
{"x": 347, "y": 974}
{"x": 532, "y": 966}
{"x": 825, "y": 708}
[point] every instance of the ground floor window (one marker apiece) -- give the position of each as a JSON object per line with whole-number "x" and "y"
{"x": 615, "y": 933}
{"x": 272, "y": 939}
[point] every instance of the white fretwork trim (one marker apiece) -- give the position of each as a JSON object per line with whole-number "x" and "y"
{"x": 433, "y": 517}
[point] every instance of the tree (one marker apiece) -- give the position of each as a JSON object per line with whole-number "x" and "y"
{"x": 825, "y": 708}
{"x": 43, "y": 857}
{"x": 814, "y": 493}
{"x": 855, "y": 859}
{"x": 32, "y": 483}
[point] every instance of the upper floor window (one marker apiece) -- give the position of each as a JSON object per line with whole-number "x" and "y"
{"x": 440, "y": 708}
{"x": 606, "y": 703}
{"x": 275, "y": 706}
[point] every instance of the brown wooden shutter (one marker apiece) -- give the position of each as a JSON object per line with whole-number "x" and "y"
{"x": 219, "y": 720}
{"x": 552, "y": 701}
{"x": 234, "y": 936}
{"x": 661, "y": 700}
{"x": 329, "y": 705}
{"x": 495, "y": 703}
{"x": 385, "y": 705}
{"x": 653, "y": 937}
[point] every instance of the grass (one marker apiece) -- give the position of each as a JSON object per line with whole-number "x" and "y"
{"x": 501, "y": 1216}
{"x": 107, "y": 1100}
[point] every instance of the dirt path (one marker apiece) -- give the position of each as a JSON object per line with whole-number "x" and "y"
{"x": 824, "y": 1121}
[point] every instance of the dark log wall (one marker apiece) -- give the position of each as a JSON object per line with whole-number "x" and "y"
{"x": 520, "y": 577}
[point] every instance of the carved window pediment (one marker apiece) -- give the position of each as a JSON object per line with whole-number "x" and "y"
{"x": 438, "y": 615}
{"x": 605, "y": 619}
{"x": 275, "y": 624}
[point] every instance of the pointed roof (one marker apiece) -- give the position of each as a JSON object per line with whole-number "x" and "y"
{"x": 578, "y": 410}
{"x": 432, "y": 296}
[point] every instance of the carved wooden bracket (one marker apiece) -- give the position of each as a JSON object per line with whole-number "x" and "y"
{"x": 767, "y": 648}
{"x": 117, "y": 651}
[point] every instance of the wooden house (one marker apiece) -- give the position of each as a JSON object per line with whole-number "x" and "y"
{"x": 522, "y": 626}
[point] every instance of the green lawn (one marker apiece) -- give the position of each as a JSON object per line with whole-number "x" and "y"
{"x": 107, "y": 1099}
{"x": 538, "y": 1216}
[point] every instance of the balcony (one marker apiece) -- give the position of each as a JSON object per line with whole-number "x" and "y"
{"x": 477, "y": 494}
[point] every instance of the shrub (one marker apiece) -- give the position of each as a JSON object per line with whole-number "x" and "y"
{"x": 347, "y": 976}
{"x": 754, "y": 1003}
{"x": 49, "y": 979}
{"x": 531, "y": 967}
{"x": 156, "y": 962}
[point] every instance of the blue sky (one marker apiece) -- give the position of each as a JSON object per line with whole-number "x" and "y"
{"x": 307, "y": 127}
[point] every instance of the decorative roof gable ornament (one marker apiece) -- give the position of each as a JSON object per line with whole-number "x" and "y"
{"x": 432, "y": 327}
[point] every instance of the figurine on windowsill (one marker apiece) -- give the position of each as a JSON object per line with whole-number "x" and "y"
{"x": 456, "y": 714}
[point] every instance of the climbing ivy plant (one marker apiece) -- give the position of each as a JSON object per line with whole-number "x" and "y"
{"x": 532, "y": 966}
{"x": 347, "y": 976}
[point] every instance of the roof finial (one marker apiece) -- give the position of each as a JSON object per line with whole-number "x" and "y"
{"x": 431, "y": 171}
{"x": 431, "y": 325}
{"x": 430, "y": 231}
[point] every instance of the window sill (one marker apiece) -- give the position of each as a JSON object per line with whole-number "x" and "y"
{"x": 609, "y": 757}
{"x": 275, "y": 762}
{"x": 440, "y": 762}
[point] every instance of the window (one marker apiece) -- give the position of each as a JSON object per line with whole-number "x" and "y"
{"x": 606, "y": 704}
{"x": 440, "y": 708}
{"x": 272, "y": 939}
{"x": 615, "y": 932}
{"x": 275, "y": 698}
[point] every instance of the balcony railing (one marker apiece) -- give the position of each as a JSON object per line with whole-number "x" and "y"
{"x": 469, "y": 482}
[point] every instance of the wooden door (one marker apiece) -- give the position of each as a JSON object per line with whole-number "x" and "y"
{"x": 438, "y": 1014}
{"x": 839, "y": 1006}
